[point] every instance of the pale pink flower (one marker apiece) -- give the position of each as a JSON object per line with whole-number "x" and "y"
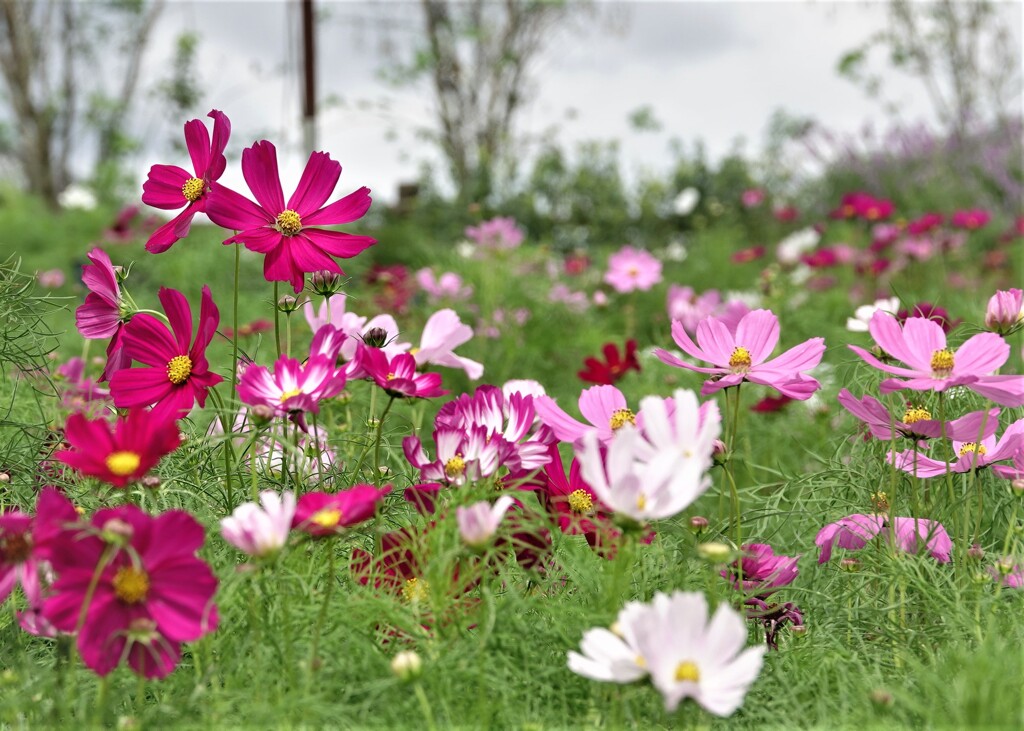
{"x": 973, "y": 451}
{"x": 479, "y": 522}
{"x": 260, "y": 530}
{"x": 915, "y": 422}
{"x": 496, "y": 234}
{"x": 442, "y": 334}
{"x": 51, "y": 279}
{"x": 743, "y": 356}
{"x": 631, "y": 269}
{"x": 1005, "y": 311}
{"x": 448, "y": 286}
{"x": 921, "y": 344}
{"x": 909, "y": 534}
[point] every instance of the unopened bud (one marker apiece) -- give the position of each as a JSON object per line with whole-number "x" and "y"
{"x": 117, "y": 532}
{"x": 881, "y": 697}
{"x": 407, "y": 665}
{"x": 715, "y": 552}
{"x": 849, "y": 564}
{"x": 261, "y": 414}
{"x": 288, "y": 304}
{"x": 150, "y": 482}
{"x": 1004, "y": 566}
{"x": 698, "y": 524}
{"x": 325, "y": 283}
{"x": 1018, "y": 485}
{"x": 719, "y": 452}
{"x": 799, "y": 629}
{"x": 376, "y": 337}
{"x": 5, "y": 477}
{"x": 975, "y": 552}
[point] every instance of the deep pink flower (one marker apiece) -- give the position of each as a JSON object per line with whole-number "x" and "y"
{"x": 153, "y": 593}
{"x": 170, "y": 187}
{"x": 631, "y": 269}
{"x": 971, "y": 219}
{"x": 742, "y": 356}
{"x": 23, "y": 543}
{"x": 104, "y": 312}
{"x": 397, "y": 375}
{"x": 925, "y": 223}
{"x": 323, "y": 514}
{"x": 178, "y": 375}
{"x": 973, "y": 451}
{"x": 786, "y": 214}
{"x": 915, "y": 422}
{"x": 863, "y": 205}
{"x": 771, "y": 404}
{"x": 921, "y": 345}
{"x": 855, "y": 531}
{"x": 393, "y": 286}
{"x": 763, "y": 572}
{"x": 123, "y": 454}
{"x": 289, "y": 234}
{"x": 751, "y": 253}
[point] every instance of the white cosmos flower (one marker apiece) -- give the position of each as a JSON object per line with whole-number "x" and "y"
{"x": 686, "y": 201}
{"x": 612, "y": 656}
{"x": 260, "y": 531}
{"x": 863, "y": 314}
{"x": 791, "y": 247}
{"x": 679, "y": 434}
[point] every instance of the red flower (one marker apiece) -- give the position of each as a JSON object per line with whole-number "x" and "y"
{"x": 615, "y": 368}
{"x": 770, "y": 404}
{"x": 177, "y": 375}
{"x": 170, "y": 187}
{"x": 121, "y": 455}
{"x": 749, "y": 254}
{"x": 971, "y": 219}
{"x": 283, "y": 231}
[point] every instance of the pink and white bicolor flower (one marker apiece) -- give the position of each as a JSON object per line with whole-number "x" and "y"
{"x": 260, "y": 530}
{"x": 479, "y": 522}
{"x": 293, "y": 387}
{"x": 743, "y": 356}
{"x": 462, "y": 455}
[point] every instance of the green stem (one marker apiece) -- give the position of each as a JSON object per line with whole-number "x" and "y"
{"x": 377, "y": 441}
{"x": 277, "y": 321}
{"x": 428, "y": 714}
{"x": 331, "y": 581}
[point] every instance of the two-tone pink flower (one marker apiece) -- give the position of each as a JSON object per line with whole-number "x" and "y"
{"x": 743, "y": 355}
{"x": 105, "y": 310}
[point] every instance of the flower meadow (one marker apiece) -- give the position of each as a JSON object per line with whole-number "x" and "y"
{"x": 261, "y": 471}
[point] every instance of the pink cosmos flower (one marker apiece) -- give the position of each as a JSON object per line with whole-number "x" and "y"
{"x": 915, "y": 423}
{"x": 355, "y": 328}
{"x": 479, "y": 522}
{"x": 123, "y": 454}
{"x": 500, "y": 233}
{"x": 921, "y": 344}
{"x": 1005, "y": 312}
{"x": 51, "y": 279}
{"x": 260, "y": 530}
{"x": 23, "y": 543}
{"x": 631, "y": 269}
{"x": 289, "y": 233}
{"x": 981, "y": 451}
{"x": 763, "y": 572}
{"x": 742, "y": 356}
{"x": 322, "y": 514}
{"x": 752, "y": 197}
{"x": 925, "y": 223}
{"x": 971, "y": 220}
{"x": 442, "y": 334}
{"x": 177, "y": 376}
{"x": 294, "y": 388}
{"x": 170, "y": 187}
{"x": 397, "y": 375}
{"x": 448, "y": 286}
{"x": 690, "y": 308}
{"x": 463, "y": 455}
{"x": 78, "y": 390}
{"x": 855, "y": 531}
{"x": 153, "y": 593}
{"x": 104, "y": 312}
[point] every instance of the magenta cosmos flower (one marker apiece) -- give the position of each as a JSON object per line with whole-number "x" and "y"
{"x": 397, "y": 375}
{"x": 323, "y": 514}
{"x": 151, "y": 595}
{"x": 909, "y": 534}
{"x": 23, "y": 540}
{"x": 763, "y": 571}
{"x": 289, "y": 233}
{"x": 933, "y": 366}
{"x": 742, "y": 356}
{"x": 177, "y": 376}
{"x": 104, "y": 312}
{"x": 631, "y": 269}
{"x": 170, "y": 187}
{"x": 123, "y": 454}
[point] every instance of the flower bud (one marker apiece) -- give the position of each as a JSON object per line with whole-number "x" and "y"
{"x": 1018, "y": 486}
{"x": 325, "y": 283}
{"x": 975, "y": 552}
{"x": 407, "y": 665}
{"x": 376, "y": 337}
{"x": 261, "y": 414}
{"x": 1005, "y": 311}
{"x": 881, "y": 697}
{"x": 288, "y": 304}
{"x": 715, "y": 552}
{"x": 719, "y": 452}
{"x": 150, "y": 482}
{"x": 5, "y": 477}
{"x": 698, "y": 524}
{"x": 117, "y": 532}
{"x": 849, "y": 564}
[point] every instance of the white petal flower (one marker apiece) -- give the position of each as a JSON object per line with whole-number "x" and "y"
{"x": 260, "y": 531}
{"x": 479, "y": 521}
{"x": 686, "y": 201}
{"x": 863, "y": 314}
{"x": 791, "y": 247}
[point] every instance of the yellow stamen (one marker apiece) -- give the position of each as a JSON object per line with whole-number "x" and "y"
{"x": 580, "y": 501}
{"x": 193, "y": 189}
{"x": 880, "y": 501}
{"x": 289, "y": 223}
{"x": 288, "y": 394}
{"x": 123, "y": 463}
{"x": 455, "y": 466}
{"x": 915, "y": 414}
{"x": 179, "y": 368}
{"x": 972, "y": 448}
{"x": 687, "y": 672}
{"x": 391, "y": 377}
{"x": 326, "y": 517}
{"x": 640, "y": 662}
{"x": 131, "y": 585}
{"x": 942, "y": 363}
{"x": 621, "y": 417}
{"x": 740, "y": 361}
{"x": 641, "y": 502}
{"x": 415, "y": 590}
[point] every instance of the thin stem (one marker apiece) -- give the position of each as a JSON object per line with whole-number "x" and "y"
{"x": 331, "y": 581}
{"x": 277, "y": 321}
{"x": 428, "y": 714}
{"x": 377, "y": 440}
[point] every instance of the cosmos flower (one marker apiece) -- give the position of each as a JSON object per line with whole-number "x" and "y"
{"x": 916, "y": 421}
{"x": 289, "y": 233}
{"x": 397, "y": 375}
{"x": 921, "y": 345}
{"x": 448, "y": 286}
{"x": 743, "y": 356}
{"x": 909, "y": 534}
{"x": 863, "y": 314}
{"x": 1005, "y": 311}
{"x": 122, "y": 454}
{"x": 325, "y": 514}
{"x": 631, "y": 269}
{"x": 614, "y": 365}
{"x": 170, "y": 187}
{"x": 973, "y": 451}
{"x": 463, "y": 455}
{"x": 260, "y": 530}
{"x": 23, "y": 543}
{"x": 442, "y": 334}
{"x": 105, "y": 311}
{"x": 496, "y": 234}
{"x": 971, "y": 219}
{"x": 763, "y": 572}
{"x": 294, "y": 388}
{"x": 479, "y": 522}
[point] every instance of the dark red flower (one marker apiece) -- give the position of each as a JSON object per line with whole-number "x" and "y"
{"x": 615, "y": 367}
{"x": 930, "y": 312}
{"x": 749, "y": 254}
{"x": 770, "y": 404}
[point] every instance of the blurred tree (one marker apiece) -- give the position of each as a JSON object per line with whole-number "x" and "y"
{"x": 58, "y": 56}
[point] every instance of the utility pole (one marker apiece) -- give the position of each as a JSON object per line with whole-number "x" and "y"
{"x": 309, "y": 76}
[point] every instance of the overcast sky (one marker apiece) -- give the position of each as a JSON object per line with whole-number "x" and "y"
{"x": 709, "y": 71}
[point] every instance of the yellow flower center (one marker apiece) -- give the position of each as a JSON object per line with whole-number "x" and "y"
{"x": 580, "y": 501}
{"x": 915, "y": 414}
{"x": 179, "y": 368}
{"x": 288, "y": 222}
{"x": 972, "y": 448}
{"x": 641, "y": 502}
{"x": 326, "y": 517}
{"x": 621, "y": 417}
{"x": 455, "y": 466}
{"x": 640, "y": 662}
{"x": 391, "y": 376}
{"x": 288, "y": 394}
{"x": 880, "y": 501}
{"x": 740, "y": 361}
{"x": 193, "y": 189}
{"x": 123, "y": 463}
{"x": 942, "y": 363}
{"x": 131, "y": 585}
{"x": 415, "y": 590}
{"x": 687, "y": 672}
